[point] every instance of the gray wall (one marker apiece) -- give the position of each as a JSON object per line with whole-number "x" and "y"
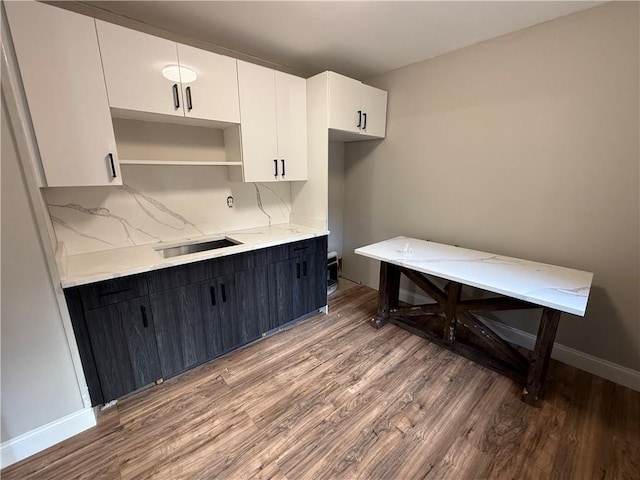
{"x": 526, "y": 145}
{"x": 38, "y": 382}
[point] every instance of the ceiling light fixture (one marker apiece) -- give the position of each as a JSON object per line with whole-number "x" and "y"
{"x": 178, "y": 73}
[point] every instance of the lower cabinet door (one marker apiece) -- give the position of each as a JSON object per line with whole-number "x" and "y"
{"x": 187, "y": 326}
{"x": 124, "y": 346}
{"x": 282, "y": 282}
{"x": 253, "y": 304}
{"x": 238, "y": 324}
{"x": 315, "y": 280}
{"x": 310, "y": 288}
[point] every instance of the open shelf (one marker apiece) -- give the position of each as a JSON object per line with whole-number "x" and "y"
{"x": 177, "y": 162}
{"x": 149, "y": 142}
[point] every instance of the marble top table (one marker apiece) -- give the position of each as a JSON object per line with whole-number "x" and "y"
{"x": 559, "y": 288}
{"x": 521, "y": 284}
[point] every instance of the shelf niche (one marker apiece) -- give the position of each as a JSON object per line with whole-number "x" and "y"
{"x": 154, "y": 142}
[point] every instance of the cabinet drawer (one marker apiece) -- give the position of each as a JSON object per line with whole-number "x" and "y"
{"x": 113, "y": 291}
{"x": 294, "y": 249}
{"x": 306, "y": 246}
{"x": 187, "y": 274}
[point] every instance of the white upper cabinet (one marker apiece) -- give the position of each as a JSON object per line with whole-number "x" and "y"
{"x": 345, "y": 112}
{"x": 273, "y": 116}
{"x": 133, "y": 64}
{"x": 374, "y": 111}
{"x": 150, "y": 74}
{"x": 291, "y": 113}
{"x": 213, "y": 94}
{"x": 258, "y": 123}
{"x": 356, "y": 111}
{"x": 59, "y": 63}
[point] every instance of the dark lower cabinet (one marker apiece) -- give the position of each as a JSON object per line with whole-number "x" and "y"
{"x": 298, "y": 285}
{"x": 135, "y": 330}
{"x": 252, "y": 316}
{"x": 124, "y": 346}
{"x": 313, "y": 283}
{"x": 282, "y": 280}
{"x": 187, "y": 326}
{"x": 226, "y": 310}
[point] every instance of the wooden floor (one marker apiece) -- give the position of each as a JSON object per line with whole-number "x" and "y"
{"x": 334, "y": 398}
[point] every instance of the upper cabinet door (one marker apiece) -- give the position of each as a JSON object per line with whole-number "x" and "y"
{"x": 345, "y": 112}
{"x": 260, "y": 162}
{"x": 133, "y": 63}
{"x": 374, "y": 106}
{"x": 291, "y": 112}
{"x": 356, "y": 110}
{"x": 213, "y": 95}
{"x": 59, "y": 62}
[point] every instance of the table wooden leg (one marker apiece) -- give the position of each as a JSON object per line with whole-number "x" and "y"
{"x": 453, "y": 297}
{"x": 388, "y": 292}
{"x": 541, "y": 355}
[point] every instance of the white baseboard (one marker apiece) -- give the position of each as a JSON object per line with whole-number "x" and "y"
{"x": 624, "y": 376}
{"x": 41, "y": 438}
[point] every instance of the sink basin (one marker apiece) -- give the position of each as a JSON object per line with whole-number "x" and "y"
{"x": 195, "y": 247}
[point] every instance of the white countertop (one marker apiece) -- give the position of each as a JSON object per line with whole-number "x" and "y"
{"x": 96, "y": 266}
{"x": 560, "y": 288}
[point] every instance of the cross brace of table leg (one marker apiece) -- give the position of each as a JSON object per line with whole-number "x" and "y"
{"x": 503, "y": 356}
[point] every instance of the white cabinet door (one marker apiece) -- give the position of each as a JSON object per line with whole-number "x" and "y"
{"x": 133, "y": 64}
{"x": 345, "y": 112}
{"x": 356, "y": 108}
{"x": 374, "y": 108}
{"x": 291, "y": 110}
{"x": 256, "y": 86}
{"x": 213, "y": 95}
{"x": 59, "y": 62}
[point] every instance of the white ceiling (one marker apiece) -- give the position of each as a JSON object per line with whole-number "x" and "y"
{"x": 359, "y": 39}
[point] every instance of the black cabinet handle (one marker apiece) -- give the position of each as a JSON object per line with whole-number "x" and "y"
{"x": 283, "y": 173}
{"x": 275, "y": 164}
{"x": 176, "y": 98}
{"x": 297, "y": 270}
{"x": 359, "y": 118}
{"x": 213, "y": 295}
{"x": 115, "y": 292}
{"x": 304, "y": 268}
{"x": 224, "y": 292}
{"x": 364, "y": 115}
{"x": 113, "y": 166}
{"x": 189, "y": 101}
{"x": 145, "y": 320}
{"x": 300, "y": 248}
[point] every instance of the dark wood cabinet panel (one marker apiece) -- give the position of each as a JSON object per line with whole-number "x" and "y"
{"x": 253, "y": 302}
{"x": 234, "y": 333}
{"x": 167, "y": 278}
{"x": 281, "y": 292}
{"x": 187, "y": 328}
{"x": 316, "y": 279}
{"x": 76, "y": 312}
{"x": 113, "y": 291}
{"x": 298, "y": 285}
{"x": 124, "y": 346}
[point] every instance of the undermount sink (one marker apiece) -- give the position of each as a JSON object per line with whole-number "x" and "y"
{"x": 195, "y": 247}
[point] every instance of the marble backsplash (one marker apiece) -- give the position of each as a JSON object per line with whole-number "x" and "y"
{"x": 162, "y": 203}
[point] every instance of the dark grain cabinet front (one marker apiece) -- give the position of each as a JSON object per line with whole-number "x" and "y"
{"x": 187, "y": 327}
{"x": 133, "y": 331}
{"x": 124, "y": 346}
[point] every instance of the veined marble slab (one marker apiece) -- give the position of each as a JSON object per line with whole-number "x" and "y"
{"x": 163, "y": 204}
{"x": 85, "y": 268}
{"x": 561, "y": 288}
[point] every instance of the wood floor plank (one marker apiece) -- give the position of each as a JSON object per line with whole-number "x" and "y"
{"x": 333, "y": 398}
